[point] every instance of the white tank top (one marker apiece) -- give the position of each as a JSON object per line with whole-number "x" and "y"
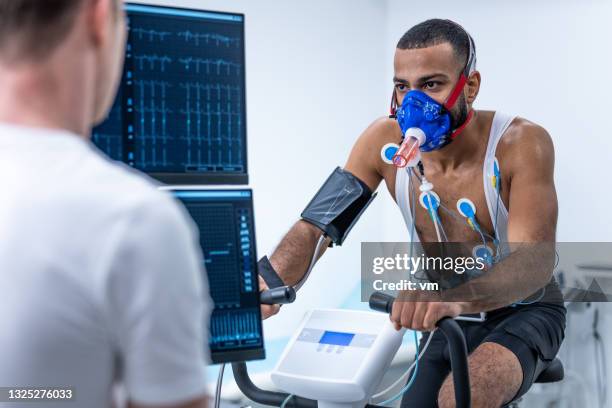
{"x": 501, "y": 122}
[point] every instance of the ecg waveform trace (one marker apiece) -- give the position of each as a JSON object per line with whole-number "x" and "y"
{"x": 220, "y": 66}
{"x": 218, "y": 237}
{"x": 152, "y": 35}
{"x": 229, "y": 329}
{"x": 206, "y": 37}
{"x": 226, "y": 239}
{"x": 153, "y": 62}
{"x": 182, "y": 107}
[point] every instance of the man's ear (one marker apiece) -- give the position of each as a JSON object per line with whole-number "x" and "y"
{"x": 99, "y": 16}
{"x": 472, "y": 87}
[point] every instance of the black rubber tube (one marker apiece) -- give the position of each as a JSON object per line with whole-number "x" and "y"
{"x": 254, "y": 393}
{"x": 459, "y": 362}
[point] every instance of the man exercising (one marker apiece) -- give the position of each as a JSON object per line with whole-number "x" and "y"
{"x": 435, "y": 67}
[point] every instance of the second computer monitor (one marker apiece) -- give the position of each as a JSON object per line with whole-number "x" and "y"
{"x": 227, "y": 238}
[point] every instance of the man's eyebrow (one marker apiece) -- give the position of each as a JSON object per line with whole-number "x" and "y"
{"x": 432, "y": 77}
{"x": 422, "y": 79}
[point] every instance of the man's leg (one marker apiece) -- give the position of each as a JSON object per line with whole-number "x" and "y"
{"x": 496, "y": 376}
{"x": 504, "y": 364}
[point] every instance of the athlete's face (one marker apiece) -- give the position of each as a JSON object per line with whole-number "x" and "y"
{"x": 434, "y": 70}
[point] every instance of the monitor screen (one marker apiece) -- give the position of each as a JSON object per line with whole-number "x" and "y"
{"x": 227, "y": 238}
{"x": 180, "y": 115}
{"x": 336, "y": 338}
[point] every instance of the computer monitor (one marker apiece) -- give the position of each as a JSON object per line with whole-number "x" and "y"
{"x": 227, "y": 237}
{"x": 180, "y": 114}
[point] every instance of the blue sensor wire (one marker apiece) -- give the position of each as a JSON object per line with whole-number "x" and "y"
{"x": 414, "y": 374}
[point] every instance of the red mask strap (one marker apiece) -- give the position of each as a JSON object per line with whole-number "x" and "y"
{"x": 393, "y": 109}
{"x": 452, "y": 99}
{"x": 462, "y": 127}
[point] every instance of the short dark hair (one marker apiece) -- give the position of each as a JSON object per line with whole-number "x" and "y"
{"x": 31, "y": 29}
{"x": 438, "y": 31}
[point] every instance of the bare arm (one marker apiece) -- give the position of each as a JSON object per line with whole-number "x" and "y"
{"x": 292, "y": 256}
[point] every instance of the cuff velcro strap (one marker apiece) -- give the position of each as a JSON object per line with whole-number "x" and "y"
{"x": 269, "y": 275}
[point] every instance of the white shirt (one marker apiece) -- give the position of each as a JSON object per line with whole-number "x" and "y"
{"x": 100, "y": 275}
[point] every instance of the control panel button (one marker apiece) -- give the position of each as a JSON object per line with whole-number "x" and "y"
{"x": 310, "y": 335}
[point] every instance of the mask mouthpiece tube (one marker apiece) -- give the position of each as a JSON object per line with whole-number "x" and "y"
{"x": 409, "y": 154}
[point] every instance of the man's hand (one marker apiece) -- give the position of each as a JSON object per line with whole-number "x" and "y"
{"x": 422, "y": 316}
{"x": 267, "y": 310}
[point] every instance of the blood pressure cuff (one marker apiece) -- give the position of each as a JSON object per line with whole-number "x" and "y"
{"x": 338, "y": 205}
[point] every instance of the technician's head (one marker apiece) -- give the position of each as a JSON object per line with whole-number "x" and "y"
{"x": 64, "y": 41}
{"x": 431, "y": 57}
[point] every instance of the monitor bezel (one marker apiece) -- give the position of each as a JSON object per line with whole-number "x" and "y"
{"x": 172, "y": 178}
{"x": 257, "y": 353}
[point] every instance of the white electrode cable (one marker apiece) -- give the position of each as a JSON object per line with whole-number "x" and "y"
{"x": 427, "y": 188}
{"x": 435, "y": 221}
{"x": 218, "y": 388}
{"x": 406, "y": 374}
{"x": 315, "y": 256}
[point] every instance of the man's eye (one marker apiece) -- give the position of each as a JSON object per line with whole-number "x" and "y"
{"x": 400, "y": 87}
{"x": 430, "y": 84}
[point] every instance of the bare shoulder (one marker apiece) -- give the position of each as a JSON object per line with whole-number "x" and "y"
{"x": 526, "y": 144}
{"x": 380, "y": 132}
{"x": 365, "y": 158}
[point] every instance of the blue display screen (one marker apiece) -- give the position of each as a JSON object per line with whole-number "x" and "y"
{"x": 336, "y": 338}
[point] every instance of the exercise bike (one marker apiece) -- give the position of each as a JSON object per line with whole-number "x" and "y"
{"x": 354, "y": 359}
{"x": 371, "y": 356}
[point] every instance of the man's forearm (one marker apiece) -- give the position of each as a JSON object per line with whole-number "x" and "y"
{"x": 292, "y": 256}
{"x": 521, "y": 274}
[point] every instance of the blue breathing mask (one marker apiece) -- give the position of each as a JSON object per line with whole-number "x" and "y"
{"x": 429, "y": 121}
{"x": 422, "y": 117}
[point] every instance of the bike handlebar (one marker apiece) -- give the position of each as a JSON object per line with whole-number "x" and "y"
{"x": 277, "y": 296}
{"x": 456, "y": 343}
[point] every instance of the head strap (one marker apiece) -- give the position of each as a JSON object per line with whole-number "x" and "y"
{"x": 470, "y": 66}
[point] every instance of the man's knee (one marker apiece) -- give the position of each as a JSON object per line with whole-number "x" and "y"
{"x": 495, "y": 377}
{"x": 446, "y": 396}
